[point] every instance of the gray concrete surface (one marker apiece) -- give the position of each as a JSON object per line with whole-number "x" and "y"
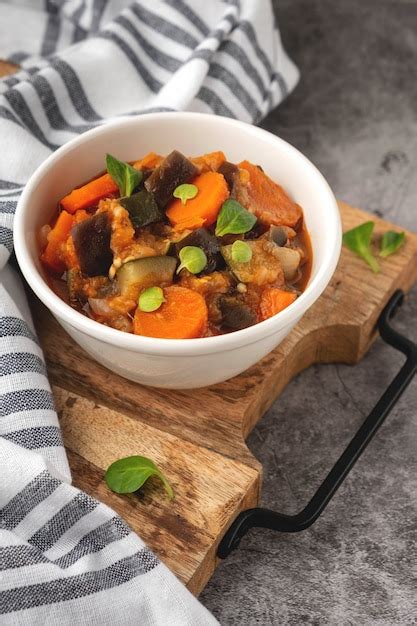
{"x": 354, "y": 114}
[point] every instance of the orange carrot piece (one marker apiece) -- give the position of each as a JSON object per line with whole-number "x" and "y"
{"x": 270, "y": 203}
{"x": 89, "y": 194}
{"x": 148, "y": 162}
{"x": 190, "y": 224}
{"x": 210, "y": 161}
{"x": 52, "y": 255}
{"x": 68, "y": 253}
{"x": 183, "y": 315}
{"x": 204, "y": 208}
{"x": 274, "y": 300}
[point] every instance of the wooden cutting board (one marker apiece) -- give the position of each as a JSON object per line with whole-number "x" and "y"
{"x": 197, "y": 437}
{"x": 7, "y": 68}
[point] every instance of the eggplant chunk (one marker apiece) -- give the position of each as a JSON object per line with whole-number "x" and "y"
{"x": 142, "y": 208}
{"x": 230, "y": 172}
{"x": 264, "y": 266}
{"x": 210, "y": 244}
{"x": 136, "y": 275}
{"x": 236, "y": 314}
{"x": 278, "y": 235}
{"x": 92, "y": 244}
{"x": 174, "y": 170}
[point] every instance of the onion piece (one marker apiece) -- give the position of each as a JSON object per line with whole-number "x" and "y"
{"x": 290, "y": 261}
{"x": 100, "y": 306}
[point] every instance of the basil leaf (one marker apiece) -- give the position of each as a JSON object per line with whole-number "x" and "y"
{"x": 151, "y": 299}
{"x": 185, "y": 192}
{"x": 241, "y": 252}
{"x": 359, "y": 241}
{"x": 193, "y": 259}
{"x": 234, "y": 219}
{"x": 391, "y": 242}
{"x": 126, "y": 177}
{"x": 129, "y": 474}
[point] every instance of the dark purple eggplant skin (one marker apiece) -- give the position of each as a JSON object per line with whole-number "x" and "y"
{"x": 230, "y": 172}
{"x": 145, "y": 174}
{"x": 174, "y": 170}
{"x": 209, "y": 243}
{"x": 278, "y": 235}
{"x": 256, "y": 231}
{"x": 235, "y": 314}
{"x": 92, "y": 245}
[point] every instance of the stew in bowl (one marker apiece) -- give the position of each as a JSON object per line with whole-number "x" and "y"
{"x": 178, "y": 247}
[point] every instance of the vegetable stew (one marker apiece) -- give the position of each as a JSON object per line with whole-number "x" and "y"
{"x": 178, "y": 247}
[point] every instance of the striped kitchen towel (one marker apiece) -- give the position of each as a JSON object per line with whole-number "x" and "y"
{"x": 65, "y": 558}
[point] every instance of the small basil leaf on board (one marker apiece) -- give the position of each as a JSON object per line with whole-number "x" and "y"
{"x": 234, "y": 219}
{"x": 185, "y": 192}
{"x": 358, "y": 240}
{"x": 193, "y": 259}
{"x": 391, "y": 242}
{"x": 126, "y": 177}
{"x": 241, "y": 252}
{"x": 151, "y": 299}
{"x": 129, "y": 474}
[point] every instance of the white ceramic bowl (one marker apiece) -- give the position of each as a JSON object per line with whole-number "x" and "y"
{"x": 178, "y": 363}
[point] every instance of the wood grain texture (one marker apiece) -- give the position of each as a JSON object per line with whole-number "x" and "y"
{"x": 185, "y": 530}
{"x": 7, "y": 68}
{"x": 198, "y": 436}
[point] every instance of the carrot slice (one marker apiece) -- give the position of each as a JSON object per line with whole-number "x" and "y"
{"x": 183, "y": 315}
{"x": 274, "y": 300}
{"x": 68, "y": 252}
{"x": 270, "y": 203}
{"x": 190, "y": 224}
{"x": 90, "y": 194}
{"x": 210, "y": 161}
{"x": 204, "y": 208}
{"x": 148, "y": 162}
{"x": 58, "y": 255}
{"x": 52, "y": 255}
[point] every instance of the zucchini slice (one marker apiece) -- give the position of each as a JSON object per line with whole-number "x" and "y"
{"x": 136, "y": 275}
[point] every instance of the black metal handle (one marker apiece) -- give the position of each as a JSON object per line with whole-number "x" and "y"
{"x": 266, "y": 518}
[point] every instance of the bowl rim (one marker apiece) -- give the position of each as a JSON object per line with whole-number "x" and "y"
{"x": 172, "y": 347}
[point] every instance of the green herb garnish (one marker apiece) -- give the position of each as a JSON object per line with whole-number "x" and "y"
{"x": 185, "y": 192}
{"x": 193, "y": 259}
{"x": 129, "y": 474}
{"x": 151, "y": 299}
{"x": 241, "y": 252}
{"x": 391, "y": 242}
{"x": 359, "y": 240}
{"x": 126, "y": 177}
{"x": 234, "y": 219}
